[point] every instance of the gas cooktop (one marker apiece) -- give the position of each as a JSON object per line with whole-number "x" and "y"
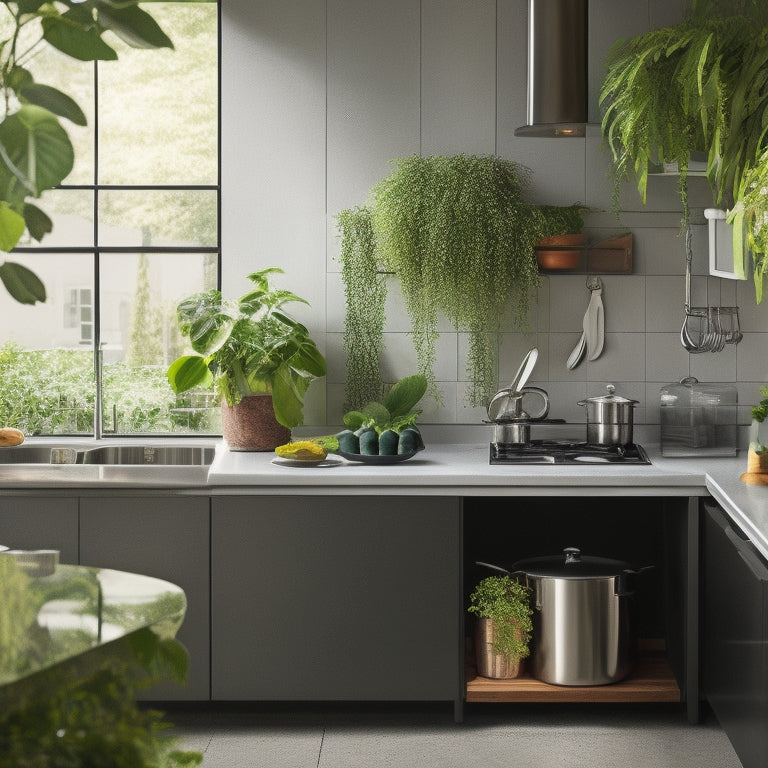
{"x": 565, "y": 452}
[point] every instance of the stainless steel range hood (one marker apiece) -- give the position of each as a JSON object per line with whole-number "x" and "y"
{"x": 557, "y": 68}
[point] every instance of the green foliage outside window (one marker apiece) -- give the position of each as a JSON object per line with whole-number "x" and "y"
{"x": 48, "y": 392}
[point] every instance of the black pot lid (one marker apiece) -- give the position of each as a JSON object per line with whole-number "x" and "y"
{"x": 571, "y": 564}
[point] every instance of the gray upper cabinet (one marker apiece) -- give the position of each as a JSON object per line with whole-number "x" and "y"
{"x": 330, "y": 598}
{"x": 40, "y": 522}
{"x": 165, "y": 537}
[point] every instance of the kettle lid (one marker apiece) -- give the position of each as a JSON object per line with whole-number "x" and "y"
{"x": 609, "y": 398}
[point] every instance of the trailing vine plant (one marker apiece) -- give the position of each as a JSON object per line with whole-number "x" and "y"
{"x": 458, "y": 234}
{"x": 365, "y": 290}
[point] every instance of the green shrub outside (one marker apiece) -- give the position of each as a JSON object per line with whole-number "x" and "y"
{"x": 52, "y": 392}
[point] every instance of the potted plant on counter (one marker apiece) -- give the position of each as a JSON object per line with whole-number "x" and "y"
{"x": 503, "y": 630}
{"x": 260, "y": 361}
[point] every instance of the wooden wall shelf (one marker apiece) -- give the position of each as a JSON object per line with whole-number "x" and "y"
{"x": 651, "y": 681}
{"x": 610, "y": 256}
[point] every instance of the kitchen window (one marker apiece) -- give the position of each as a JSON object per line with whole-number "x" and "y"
{"x": 135, "y": 229}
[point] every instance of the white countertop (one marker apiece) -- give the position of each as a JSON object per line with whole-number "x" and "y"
{"x": 448, "y": 469}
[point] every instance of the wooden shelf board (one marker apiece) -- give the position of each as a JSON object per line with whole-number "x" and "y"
{"x": 651, "y": 681}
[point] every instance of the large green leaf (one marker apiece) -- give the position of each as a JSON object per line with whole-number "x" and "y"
{"x": 405, "y": 394}
{"x": 308, "y": 359}
{"x": 70, "y": 35}
{"x": 288, "y": 397}
{"x": 38, "y": 222}
{"x": 23, "y": 284}
{"x": 37, "y": 148}
{"x": 134, "y": 26}
{"x": 187, "y": 372}
{"x": 53, "y": 100}
{"x": 11, "y": 228}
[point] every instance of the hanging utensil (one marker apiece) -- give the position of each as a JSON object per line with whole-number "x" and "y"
{"x": 594, "y": 319}
{"x": 593, "y": 336}
{"x": 578, "y": 352}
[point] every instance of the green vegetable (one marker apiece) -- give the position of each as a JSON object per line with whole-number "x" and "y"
{"x": 414, "y": 430}
{"x": 408, "y": 442}
{"x": 369, "y": 442}
{"x": 349, "y": 442}
{"x": 388, "y": 442}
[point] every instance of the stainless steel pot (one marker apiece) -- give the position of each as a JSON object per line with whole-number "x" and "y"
{"x": 609, "y": 418}
{"x": 584, "y": 623}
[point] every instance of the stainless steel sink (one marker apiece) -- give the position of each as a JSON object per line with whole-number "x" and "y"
{"x": 37, "y": 454}
{"x": 184, "y": 456}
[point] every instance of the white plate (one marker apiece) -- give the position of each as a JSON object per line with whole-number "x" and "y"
{"x": 328, "y": 461}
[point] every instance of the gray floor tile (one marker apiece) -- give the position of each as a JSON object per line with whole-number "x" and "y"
{"x": 512, "y": 736}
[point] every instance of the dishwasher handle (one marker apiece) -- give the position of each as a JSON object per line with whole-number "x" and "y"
{"x": 745, "y": 548}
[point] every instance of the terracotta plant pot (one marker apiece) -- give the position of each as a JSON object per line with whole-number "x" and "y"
{"x": 757, "y": 468}
{"x": 559, "y": 251}
{"x": 251, "y": 425}
{"x": 490, "y": 664}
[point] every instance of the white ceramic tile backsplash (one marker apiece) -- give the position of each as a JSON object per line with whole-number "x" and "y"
{"x": 327, "y": 118}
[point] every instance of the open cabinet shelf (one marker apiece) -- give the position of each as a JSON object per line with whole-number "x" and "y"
{"x": 609, "y": 256}
{"x": 651, "y": 681}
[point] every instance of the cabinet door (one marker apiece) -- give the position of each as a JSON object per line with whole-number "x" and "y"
{"x": 165, "y": 537}
{"x": 736, "y": 637}
{"x": 329, "y": 598}
{"x": 40, "y": 522}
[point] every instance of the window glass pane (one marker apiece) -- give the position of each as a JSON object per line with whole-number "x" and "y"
{"x": 71, "y": 211}
{"x": 46, "y": 370}
{"x": 139, "y": 339}
{"x": 158, "y": 108}
{"x": 137, "y": 218}
{"x": 75, "y": 78}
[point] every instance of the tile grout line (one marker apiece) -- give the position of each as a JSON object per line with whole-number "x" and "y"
{"x": 320, "y": 751}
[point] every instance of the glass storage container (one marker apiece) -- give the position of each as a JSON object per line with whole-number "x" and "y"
{"x": 698, "y": 419}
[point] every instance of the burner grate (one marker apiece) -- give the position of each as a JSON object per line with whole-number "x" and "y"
{"x": 563, "y": 452}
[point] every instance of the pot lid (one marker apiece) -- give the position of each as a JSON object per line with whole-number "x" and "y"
{"x": 609, "y": 398}
{"x": 571, "y": 564}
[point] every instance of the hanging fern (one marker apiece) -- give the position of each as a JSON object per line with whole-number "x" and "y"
{"x": 699, "y": 86}
{"x": 365, "y": 289}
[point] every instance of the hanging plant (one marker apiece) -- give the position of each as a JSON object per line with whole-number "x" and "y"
{"x": 458, "y": 234}
{"x": 698, "y": 86}
{"x": 365, "y": 289}
{"x": 750, "y": 222}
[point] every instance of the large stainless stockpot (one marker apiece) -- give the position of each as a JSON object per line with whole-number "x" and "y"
{"x": 609, "y": 418}
{"x": 583, "y": 623}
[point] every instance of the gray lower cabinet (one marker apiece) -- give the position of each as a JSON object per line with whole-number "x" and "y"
{"x": 166, "y": 537}
{"x": 328, "y": 598}
{"x": 40, "y": 522}
{"x": 735, "y": 635}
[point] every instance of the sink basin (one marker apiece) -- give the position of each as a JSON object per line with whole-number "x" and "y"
{"x": 185, "y": 456}
{"x": 37, "y": 454}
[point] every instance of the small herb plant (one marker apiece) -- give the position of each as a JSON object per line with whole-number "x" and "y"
{"x": 562, "y": 219}
{"x": 505, "y": 601}
{"x": 248, "y": 347}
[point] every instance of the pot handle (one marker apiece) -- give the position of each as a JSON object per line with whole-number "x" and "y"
{"x": 625, "y": 583}
{"x": 493, "y": 567}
